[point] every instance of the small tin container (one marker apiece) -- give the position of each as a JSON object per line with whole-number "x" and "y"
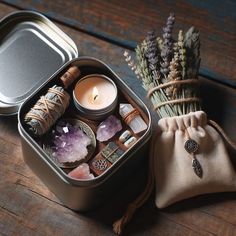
{"x": 32, "y": 49}
{"x": 96, "y": 114}
{"x": 86, "y": 194}
{"x": 43, "y": 40}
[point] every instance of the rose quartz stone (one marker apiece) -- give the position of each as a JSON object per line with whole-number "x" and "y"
{"x": 81, "y": 172}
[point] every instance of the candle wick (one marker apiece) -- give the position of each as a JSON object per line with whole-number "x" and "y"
{"x": 95, "y": 97}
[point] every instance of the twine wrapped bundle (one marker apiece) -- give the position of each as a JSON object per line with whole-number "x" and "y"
{"x": 50, "y": 107}
{"x": 47, "y": 110}
{"x": 188, "y": 156}
{"x": 169, "y": 70}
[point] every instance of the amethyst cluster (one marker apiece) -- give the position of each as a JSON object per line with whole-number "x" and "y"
{"x": 108, "y": 128}
{"x": 69, "y": 142}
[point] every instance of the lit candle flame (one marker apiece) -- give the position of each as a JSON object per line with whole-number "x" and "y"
{"x": 95, "y": 93}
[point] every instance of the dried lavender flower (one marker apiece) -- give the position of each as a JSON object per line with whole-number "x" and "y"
{"x": 161, "y": 61}
{"x": 181, "y": 52}
{"x": 152, "y": 55}
{"x": 142, "y": 66}
{"x": 131, "y": 63}
{"x": 174, "y": 75}
{"x": 192, "y": 45}
{"x": 167, "y": 50}
{"x": 159, "y": 43}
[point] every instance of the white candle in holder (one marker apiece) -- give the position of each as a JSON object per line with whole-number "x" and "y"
{"x": 95, "y": 96}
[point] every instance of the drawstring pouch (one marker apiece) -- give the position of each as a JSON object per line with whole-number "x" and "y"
{"x": 188, "y": 157}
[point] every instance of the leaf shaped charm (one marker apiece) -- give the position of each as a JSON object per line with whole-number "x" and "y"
{"x": 197, "y": 167}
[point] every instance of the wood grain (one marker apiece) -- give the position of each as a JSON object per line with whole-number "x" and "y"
{"x": 126, "y": 22}
{"x": 27, "y": 207}
{"x": 212, "y": 93}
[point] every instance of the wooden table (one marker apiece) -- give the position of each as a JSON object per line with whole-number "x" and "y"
{"x": 103, "y": 29}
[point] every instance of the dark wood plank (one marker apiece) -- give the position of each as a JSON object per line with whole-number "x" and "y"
{"x": 219, "y": 102}
{"x": 221, "y": 211}
{"x": 201, "y": 222}
{"x": 27, "y": 207}
{"x": 126, "y": 23}
{"x": 212, "y": 93}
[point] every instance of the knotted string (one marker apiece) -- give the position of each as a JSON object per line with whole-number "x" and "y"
{"x": 130, "y": 116}
{"x": 142, "y": 198}
{"x": 171, "y": 83}
{"x": 176, "y": 101}
{"x": 119, "y": 225}
{"x": 46, "y": 111}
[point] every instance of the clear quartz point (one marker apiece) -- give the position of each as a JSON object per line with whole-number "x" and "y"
{"x": 137, "y": 124}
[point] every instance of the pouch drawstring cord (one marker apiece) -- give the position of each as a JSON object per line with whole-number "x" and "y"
{"x": 142, "y": 198}
{"x": 119, "y": 225}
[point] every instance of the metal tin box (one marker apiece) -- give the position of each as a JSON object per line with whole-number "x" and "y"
{"x": 32, "y": 48}
{"x": 76, "y": 194}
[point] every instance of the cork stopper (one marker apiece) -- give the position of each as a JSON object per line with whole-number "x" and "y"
{"x": 70, "y": 75}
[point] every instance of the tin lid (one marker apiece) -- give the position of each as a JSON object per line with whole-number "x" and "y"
{"x": 32, "y": 48}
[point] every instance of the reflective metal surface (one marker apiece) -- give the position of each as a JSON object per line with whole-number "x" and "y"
{"x": 32, "y": 48}
{"x": 84, "y": 194}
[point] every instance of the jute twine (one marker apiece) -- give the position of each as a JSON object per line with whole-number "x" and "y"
{"x": 47, "y": 110}
{"x": 119, "y": 225}
{"x": 130, "y": 116}
{"x": 175, "y": 101}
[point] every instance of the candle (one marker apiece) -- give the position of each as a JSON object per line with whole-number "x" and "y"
{"x": 95, "y": 96}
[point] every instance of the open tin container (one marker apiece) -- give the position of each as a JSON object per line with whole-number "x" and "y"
{"x": 34, "y": 54}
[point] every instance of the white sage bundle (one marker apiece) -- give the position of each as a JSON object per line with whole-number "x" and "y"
{"x": 51, "y": 106}
{"x": 47, "y": 110}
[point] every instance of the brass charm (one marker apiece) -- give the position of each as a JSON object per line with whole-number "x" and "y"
{"x": 99, "y": 164}
{"x": 191, "y": 146}
{"x": 197, "y": 167}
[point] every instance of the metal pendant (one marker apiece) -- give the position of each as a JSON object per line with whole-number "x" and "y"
{"x": 99, "y": 164}
{"x": 191, "y": 146}
{"x": 197, "y": 167}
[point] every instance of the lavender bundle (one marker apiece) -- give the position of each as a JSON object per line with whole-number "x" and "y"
{"x": 169, "y": 69}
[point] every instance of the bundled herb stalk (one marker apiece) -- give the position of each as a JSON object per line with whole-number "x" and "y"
{"x": 169, "y": 70}
{"x": 187, "y": 151}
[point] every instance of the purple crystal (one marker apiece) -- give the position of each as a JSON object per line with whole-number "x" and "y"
{"x": 108, "y": 128}
{"x": 69, "y": 143}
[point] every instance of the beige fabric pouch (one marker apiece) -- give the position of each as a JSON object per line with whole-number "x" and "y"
{"x": 188, "y": 157}
{"x": 175, "y": 178}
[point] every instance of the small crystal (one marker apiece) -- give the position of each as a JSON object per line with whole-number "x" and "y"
{"x": 125, "y": 136}
{"x": 130, "y": 142}
{"x": 81, "y": 172}
{"x": 137, "y": 124}
{"x": 65, "y": 129}
{"x": 69, "y": 143}
{"x": 108, "y": 128}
